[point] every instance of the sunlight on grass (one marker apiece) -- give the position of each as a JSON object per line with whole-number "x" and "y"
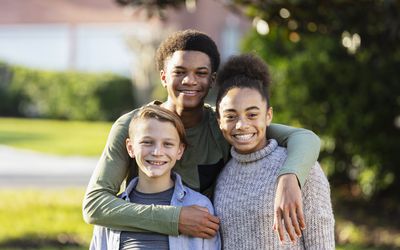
{"x": 55, "y": 137}
{"x": 43, "y": 215}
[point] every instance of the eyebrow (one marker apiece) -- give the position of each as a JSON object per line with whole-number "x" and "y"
{"x": 147, "y": 137}
{"x": 198, "y": 68}
{"x": 247, "y": 109}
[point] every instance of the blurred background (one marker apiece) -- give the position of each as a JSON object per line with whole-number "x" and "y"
{"x": 69, "y": 68}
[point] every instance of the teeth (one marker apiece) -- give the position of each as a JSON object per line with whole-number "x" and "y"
{"x": 157, "y": 162}
{"x": 243, "y": 137}
{"x": 189, "y": 92}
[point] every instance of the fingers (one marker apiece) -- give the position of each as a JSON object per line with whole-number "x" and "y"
{"x": 204, "y": 209}
{"x": 288, "y": 225}
{"x": 198, "y": 222}
{"x": 209, "y": 232}
{"x": 278, "y": 224}
{"x": 295, "y": 223}
{"x": 287, "y": 220}
{"x": 300, "y": 217}
{"x": 288, "y": 208}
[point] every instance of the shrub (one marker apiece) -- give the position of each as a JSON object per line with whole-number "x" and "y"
{"x": 63, "y": 95}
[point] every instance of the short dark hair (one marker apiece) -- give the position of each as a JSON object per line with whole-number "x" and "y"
{"x": 243, "y": 71}
{"x": 188, "y": 40}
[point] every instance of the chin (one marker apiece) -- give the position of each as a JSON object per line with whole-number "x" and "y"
{"x": 192, "y": 105}
{"x": 245, "y": 150}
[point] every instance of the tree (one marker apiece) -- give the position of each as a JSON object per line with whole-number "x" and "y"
{"x": 335, "y": 68}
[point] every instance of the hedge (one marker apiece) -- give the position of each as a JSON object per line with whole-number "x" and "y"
{"x": 26, "y": 92}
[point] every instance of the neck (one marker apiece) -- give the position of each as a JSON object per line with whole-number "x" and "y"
{"x": 189, "y": 117}
{"x": 154, "y": 185}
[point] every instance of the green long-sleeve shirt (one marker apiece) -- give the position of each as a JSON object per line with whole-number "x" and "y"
{"x": 205, "y": 156}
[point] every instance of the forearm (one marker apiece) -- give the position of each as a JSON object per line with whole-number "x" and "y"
{"x": 303, "y": 148}
{"x": 102, "y": 207}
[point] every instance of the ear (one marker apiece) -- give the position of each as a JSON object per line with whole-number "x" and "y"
{"x": 213, "y": 79}
{"x": 129, "y": 148}
{"x": 269, "y": 116}
{"x": 219, "y": 121}
{"x": 163, "y": 78}
{"x": 180, "y": 151}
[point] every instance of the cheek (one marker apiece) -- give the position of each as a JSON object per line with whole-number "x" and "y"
{"x": 223, "y": 127}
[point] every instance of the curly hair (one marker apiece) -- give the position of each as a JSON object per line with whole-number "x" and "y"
{"x": 243, "y": 71}
{"x": 188, "y": 40}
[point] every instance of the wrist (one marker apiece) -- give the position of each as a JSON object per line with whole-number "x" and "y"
{"x": 289, "y": 178}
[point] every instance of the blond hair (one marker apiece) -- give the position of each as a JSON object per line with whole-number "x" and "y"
{"x": 161, "y": 114}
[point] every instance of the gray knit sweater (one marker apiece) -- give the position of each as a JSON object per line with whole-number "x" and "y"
{"x": 244, "y": 201}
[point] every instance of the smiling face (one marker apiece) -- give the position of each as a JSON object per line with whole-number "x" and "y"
{"x": 243, "y": 119}
{"x": 187, "y": 77}
{"x": 156, "y": 146}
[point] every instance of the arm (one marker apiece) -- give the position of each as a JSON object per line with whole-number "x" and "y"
{"x": 302, "y": 146}
{"x": 303, "y": 150}
{"x": 318, "y": 212}
{"x": 101, "y": 205}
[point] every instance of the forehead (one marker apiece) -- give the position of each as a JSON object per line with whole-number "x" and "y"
{"x": 240, "y": 99}
{"x": 188, "y": 58}
{"x": 154, "y": 128}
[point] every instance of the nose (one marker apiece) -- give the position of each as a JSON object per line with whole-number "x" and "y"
{"x": 241, "y": 123}
{"x": 190, "y": 78}
{"x": 157, "y": 150}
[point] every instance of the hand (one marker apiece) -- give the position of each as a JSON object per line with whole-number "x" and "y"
{"x": 196, "y": 221}
{"x": 289, "y": 208}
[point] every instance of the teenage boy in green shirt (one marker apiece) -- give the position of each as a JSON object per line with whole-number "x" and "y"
{"x": 188, "y": 61}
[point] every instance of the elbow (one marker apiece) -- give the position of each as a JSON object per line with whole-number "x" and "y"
{"x": 317, "y": 140}
{"x": 313, "y": 138}
{"x": 90, "y": 213}
{"x": 89, "y": 218}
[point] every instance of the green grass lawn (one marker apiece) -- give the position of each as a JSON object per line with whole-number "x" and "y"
{"x": 43, "y": 219}
{"x": 55, "y": 137}
{"x": 52, "y": 219}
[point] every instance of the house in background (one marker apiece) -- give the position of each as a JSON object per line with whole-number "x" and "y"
{"x": 99, "y": 35}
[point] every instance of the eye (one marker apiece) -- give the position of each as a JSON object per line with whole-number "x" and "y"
{"x": 146, "y": 142}
{"x": 229, "y": 117}
{"x": 252, "y": 115}
{"x": 202, "y": 73}
{"x": 169, "y": 144}
{"x": 178, "y": 72}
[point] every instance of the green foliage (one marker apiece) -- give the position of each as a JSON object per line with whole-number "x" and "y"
{"x": 55, "y": 137}
{"x": 63, "y": 95}
{"x": 350, "y": 97}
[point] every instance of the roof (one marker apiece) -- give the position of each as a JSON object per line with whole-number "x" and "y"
{"x": 62, "y": 11}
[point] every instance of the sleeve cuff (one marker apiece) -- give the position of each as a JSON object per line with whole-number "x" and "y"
{"x": 175, "y": 221}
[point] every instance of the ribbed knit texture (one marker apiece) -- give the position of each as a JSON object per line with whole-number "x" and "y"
{"x": 244, "y": 201}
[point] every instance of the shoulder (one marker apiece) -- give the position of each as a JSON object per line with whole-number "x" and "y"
{"x": 193, "y": 197}
{"x": 317, "y": 177}
{"x": 120, "y": 128}
{"x": 316, "y": 191}
{"x": 210, "y": 113}
{"x": 215, "y": 130}
{"x": 279, "y": 152}
{"x": 126, "y": 118}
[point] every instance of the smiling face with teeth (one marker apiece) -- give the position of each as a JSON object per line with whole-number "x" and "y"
{"x": 156, "y": 146}
{"x": 187, "y": 76}
{"x": 243, "y": 119}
